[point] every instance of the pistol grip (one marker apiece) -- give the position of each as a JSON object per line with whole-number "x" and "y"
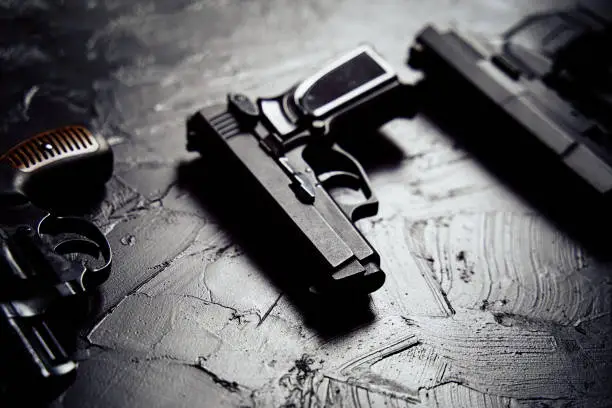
{"x": 57, "y": 160}
{"x": 334, "y": 167}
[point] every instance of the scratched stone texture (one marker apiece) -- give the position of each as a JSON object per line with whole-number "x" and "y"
{"x": 486, "y": 304}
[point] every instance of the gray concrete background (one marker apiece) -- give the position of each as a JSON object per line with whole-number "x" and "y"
{"x": 486, "y": 302}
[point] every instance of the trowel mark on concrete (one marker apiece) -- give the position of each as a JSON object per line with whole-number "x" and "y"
{"x": 410, "y": 287}
{"x": 498, "y": 357}
{"x": 532, "y": 323}
{"x": 518, "y": 264}
{"x": 547, "y": 313}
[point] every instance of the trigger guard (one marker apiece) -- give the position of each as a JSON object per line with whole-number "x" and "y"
{"x": 354, "y": 212}
{"x": 333, "y": 179}
{"x": 77, "y": 245}
{"x": 347, "y": 173}
{"x": 51, "y": 225}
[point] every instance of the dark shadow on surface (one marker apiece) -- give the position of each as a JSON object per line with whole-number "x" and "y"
{"x": 255, "y": 223}
{"x": 77, "y": 201}
{"x": 252, "y": 226}
{"x": 520, "y": 161}
{"x": 359, "y": 132}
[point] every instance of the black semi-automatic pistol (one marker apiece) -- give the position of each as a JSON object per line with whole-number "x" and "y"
{"x": 550, "y": 74}
{"x": 287, "y": 154}
{"x": 47, "y": 259}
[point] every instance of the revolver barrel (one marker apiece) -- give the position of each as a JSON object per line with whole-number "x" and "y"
{"x": 44, "y": 356}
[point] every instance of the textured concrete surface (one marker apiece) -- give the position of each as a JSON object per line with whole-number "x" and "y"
{"x": 487, "y": 303}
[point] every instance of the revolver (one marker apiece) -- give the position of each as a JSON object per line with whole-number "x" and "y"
{"x": 285, "y": 152}
{"x": 47, "y": 260}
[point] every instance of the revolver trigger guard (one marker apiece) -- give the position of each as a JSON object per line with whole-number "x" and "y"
{"x": 82, "y": 246}
{"x": 91, "y": 242}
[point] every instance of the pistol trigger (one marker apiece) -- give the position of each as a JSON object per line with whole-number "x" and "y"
{"x": 334, "y": 168}
{"x": 352, "y": 176}
{"x": 355, "y": 212}
{"x": 365, "y": 209}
